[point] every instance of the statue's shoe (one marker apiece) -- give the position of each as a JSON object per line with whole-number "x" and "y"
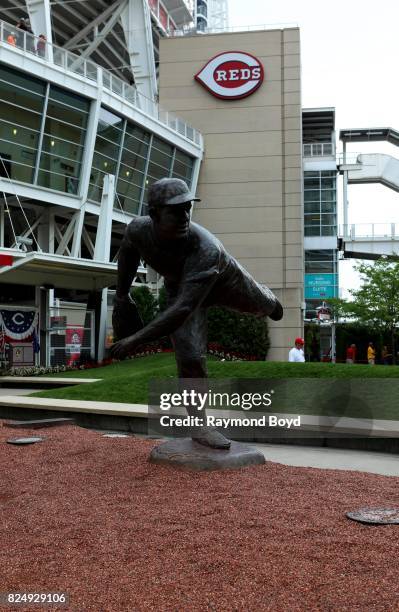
{"x": 210, "y": 436}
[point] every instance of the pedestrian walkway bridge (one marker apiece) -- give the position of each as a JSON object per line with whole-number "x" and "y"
{"x": 372, "y": 240}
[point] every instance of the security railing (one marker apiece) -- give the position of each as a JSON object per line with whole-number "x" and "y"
{"x": 318, "y": 149}
{"x": 38, "y": 46}
{"x": 192, "y": 31}
{"x": 370, "y": 231}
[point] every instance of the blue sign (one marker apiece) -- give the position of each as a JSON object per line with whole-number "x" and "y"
{"x": 321, "y": 286}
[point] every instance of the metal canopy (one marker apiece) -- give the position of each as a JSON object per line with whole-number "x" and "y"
{"x": 370, "y": 134}
{"x": 59, "y": 272}
{"x": 318, "y": 124}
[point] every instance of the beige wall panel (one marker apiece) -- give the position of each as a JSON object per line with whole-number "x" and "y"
{"x": 253, "y": 245}
{"x": 292, "y": 85}
{"x": 291, "y": 73}
{"x": 293, "y": 136}
{"x": 293, "y": 224}
{"x": 203, "y": 48}
{"x": 292, "y": 111}
{"x": 293, "y": 174}
{"x": 272, "y": 188}
{"x": 291, "y": 61}
{"x": 294, "y": 276}
{"x": 291, "y": 48}
{"x": 246, "y": 145}
{"x": 243, "y": 220}
{"x": 290, "y": 298}
{"x": 291, "y": 35}
{"x": 292, "y": 187}
{"x": 292, "y": 123}
{"x": 238, "y": 170}
{"x": 192, "y": 95}
{"x": 293, "y": 148}
{"x": 294, "y": 250}
{"x": 262, "y": 200}
{"x": 293, "y": 199}
{"x": 293, "y": 161}
{"x": 292, "y": 97}
{"x": 294, "y": 212}
{"x": 267, "y": 271}
{"x": 208, "y": 102}
{"x": 293, "y": 237}
{"x": 294, "y": 263}
{"x": 238, "y": 119}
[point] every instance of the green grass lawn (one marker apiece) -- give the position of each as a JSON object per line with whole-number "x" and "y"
{"x": 335, "y": 389}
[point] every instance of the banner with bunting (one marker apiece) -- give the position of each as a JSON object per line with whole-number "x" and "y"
{"x": 18, "y": 324}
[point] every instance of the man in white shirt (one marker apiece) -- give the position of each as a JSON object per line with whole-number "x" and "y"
{"x": 296, "y": 353}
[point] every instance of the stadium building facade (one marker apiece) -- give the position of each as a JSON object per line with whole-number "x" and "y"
{"x": 84, "y": 131}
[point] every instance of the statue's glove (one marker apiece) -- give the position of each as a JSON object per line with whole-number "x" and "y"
{"x": 126, "y": 319}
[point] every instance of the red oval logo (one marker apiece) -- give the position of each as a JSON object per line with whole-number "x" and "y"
{"x": 231, "y": 75}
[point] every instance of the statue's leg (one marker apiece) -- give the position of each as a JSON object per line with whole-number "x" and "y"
{"x": 244, "y": 294}
{"x": 190, "y": 342}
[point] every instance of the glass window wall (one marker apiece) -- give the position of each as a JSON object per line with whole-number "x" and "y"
{"x": 136, "y": 158}
{"x": 21, "y": 108}
{"x": 63, "y": 141}
{"x": 320, "y": 203}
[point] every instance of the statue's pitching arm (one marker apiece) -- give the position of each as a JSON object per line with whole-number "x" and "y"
{"x": 126, "y": 319}
{"x": 190, "y": 297}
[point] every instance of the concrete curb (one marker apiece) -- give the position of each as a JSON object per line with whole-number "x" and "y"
{"x": 380, "y": 428}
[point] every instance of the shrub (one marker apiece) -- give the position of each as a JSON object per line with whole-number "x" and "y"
{"x": 238, "y": 335}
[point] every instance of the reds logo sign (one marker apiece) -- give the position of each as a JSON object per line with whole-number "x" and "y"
{"x": 231, "y": 75}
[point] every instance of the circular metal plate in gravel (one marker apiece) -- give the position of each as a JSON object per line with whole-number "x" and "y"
{"x": 375, "y": 516}
{"x": 24, "y": 440}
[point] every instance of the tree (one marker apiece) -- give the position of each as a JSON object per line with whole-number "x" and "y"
{"x": 146, "y": 303}
{"x": 376, "y": 303}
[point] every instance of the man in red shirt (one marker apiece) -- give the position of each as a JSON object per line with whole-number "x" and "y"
{"x": 351, "y": 354}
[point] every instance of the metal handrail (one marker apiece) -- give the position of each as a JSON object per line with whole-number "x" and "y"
{"x": 192, "y": 31}
{"x": 370, "y": 231}
{"x": 86, "y": 68}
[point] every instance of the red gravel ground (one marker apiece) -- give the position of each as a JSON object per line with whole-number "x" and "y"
{"x": 90, "y": 516}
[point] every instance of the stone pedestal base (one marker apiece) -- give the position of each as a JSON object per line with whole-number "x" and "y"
{"x": 187, "y": 454}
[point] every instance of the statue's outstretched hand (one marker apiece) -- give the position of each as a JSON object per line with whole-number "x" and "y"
{"x": 123, "y": 348}
{"x": 126, "y": 319}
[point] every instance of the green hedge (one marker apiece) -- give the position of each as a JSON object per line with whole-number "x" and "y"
{"x": 239, "y": 335}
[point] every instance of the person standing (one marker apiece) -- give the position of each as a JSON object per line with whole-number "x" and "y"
{"x": 296, "y": 354}
{"x": 21, "y": 28}
{"x": 11, "y": 39}
{"x": 386, "y": 356}
{"x": 41, "y": 46}
{"x": 351, "y": 354}
{"x": 371, "y": 354}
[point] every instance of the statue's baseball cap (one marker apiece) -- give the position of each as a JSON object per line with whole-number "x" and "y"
{"x": 169, "y": 191}
{"x": 299, "y": 341}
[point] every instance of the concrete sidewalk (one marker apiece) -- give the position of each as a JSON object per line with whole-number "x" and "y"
{"x": 331, "y": 458}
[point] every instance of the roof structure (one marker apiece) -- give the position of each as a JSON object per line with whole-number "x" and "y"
{"x": 94, "y": 27}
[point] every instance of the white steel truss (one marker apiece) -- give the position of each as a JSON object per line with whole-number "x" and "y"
{"x": 136, "y": 22}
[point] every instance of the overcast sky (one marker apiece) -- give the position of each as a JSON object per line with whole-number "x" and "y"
{"x": 349, "y": 57}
